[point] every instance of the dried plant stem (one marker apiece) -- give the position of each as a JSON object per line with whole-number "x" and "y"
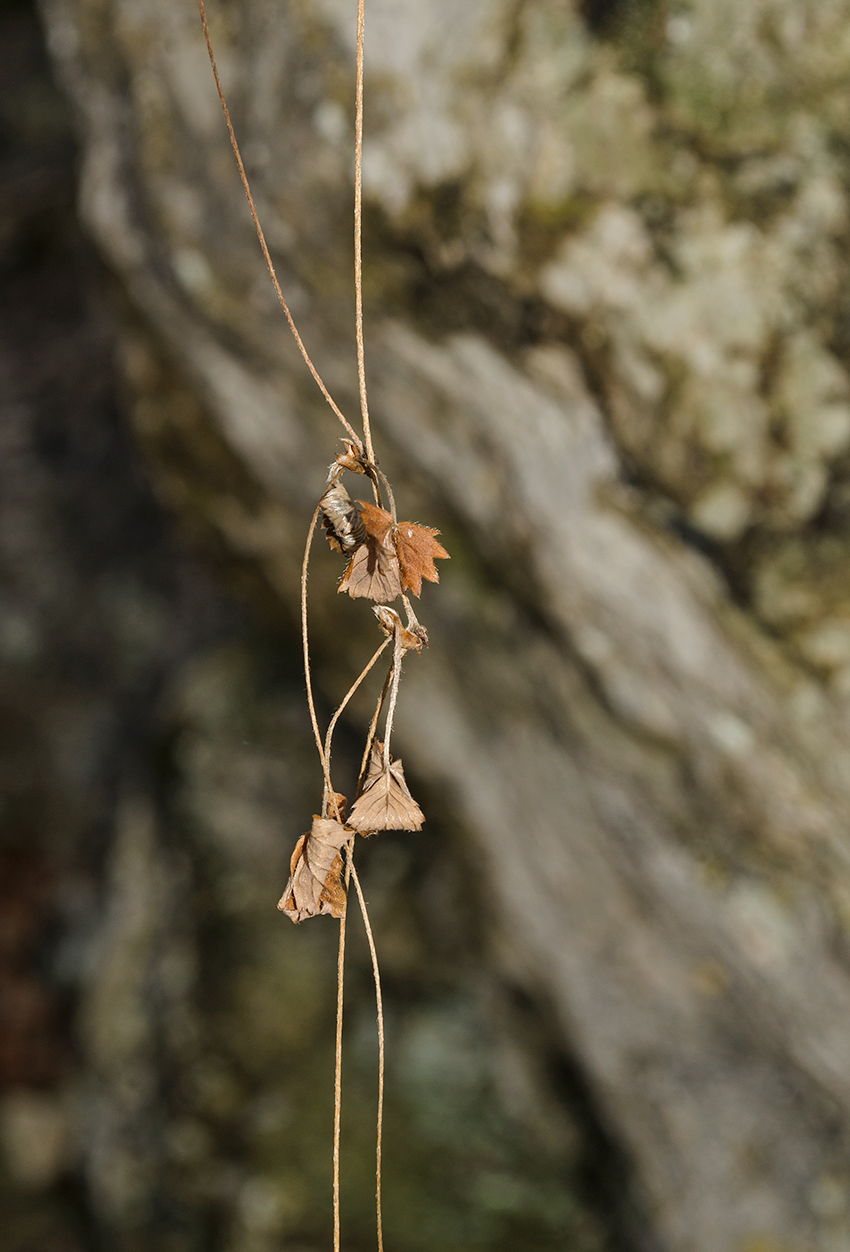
{"x": 373, "y": 726}
{"x": 358, "y": 231}
{"x": 388, "y": 728}
{"x": 340, "y": 973}
{"x": 345, "y": 700}
{"x": 305, "y": 642}
{"x": 376, "y": 486}
{"x": 379, "y": 1003}
{"x": 389, "y": 491}
{"x": 262, "y": 238}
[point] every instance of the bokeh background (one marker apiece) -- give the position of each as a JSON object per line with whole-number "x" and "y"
{"x": 608, "y": 341}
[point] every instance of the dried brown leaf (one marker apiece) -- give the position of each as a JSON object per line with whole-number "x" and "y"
{"x": 314, "y": 885}
{"x": 417, "y": 638}
{"x": 341, "y": 519}
{"x": 386, "y": 802}
{"x": 373, "y": 571}
{"x": 376, "y": 520}
{"x": 417, "y": 549}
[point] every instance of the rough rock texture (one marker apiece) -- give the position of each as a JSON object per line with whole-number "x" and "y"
{"x": 607, "y": 351}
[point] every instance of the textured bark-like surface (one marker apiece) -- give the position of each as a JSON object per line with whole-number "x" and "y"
{"x": 607, "y": 338}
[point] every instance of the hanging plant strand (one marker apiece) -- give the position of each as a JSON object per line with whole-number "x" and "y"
{"x": 385, "y": 559}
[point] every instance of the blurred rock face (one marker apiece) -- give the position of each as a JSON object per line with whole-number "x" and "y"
{"x": 607, "y": 355}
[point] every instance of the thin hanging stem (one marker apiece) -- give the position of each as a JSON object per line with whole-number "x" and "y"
{"x": 262, "y": 238}
{"x": 370, "y": 738}
{"x": 330, "y": 794}
{"x": 390, "y": 495}
{"x": 376, "y": 486}
{"x": 358, "y": 230}
{"x": 346, "y": 698}
{"x": 388, "y": 728}
{"x": 379, "y": 1002}
{"x": 340, "y": 972}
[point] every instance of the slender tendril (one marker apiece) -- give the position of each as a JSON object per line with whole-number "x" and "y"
{"x": 373, "y": 727}
{"x": 358, "y": 231}
{"x": 340, "y": 972}
{"x": 379, "y": 1003}
{"x": 388, "y": 729}
{"x": 390, "y": 495}
{"x": 330, "y": 794}
{"x": 351, "y": 690}
{"x": 262, "y": 238}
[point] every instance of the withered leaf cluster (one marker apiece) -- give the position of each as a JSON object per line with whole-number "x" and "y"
{"x": 388, "y": 558}
{"x": 315, "y": 881}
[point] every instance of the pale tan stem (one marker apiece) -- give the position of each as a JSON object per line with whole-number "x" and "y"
{"x": 330, "y": 794}
{"x": 346, "y": 698}
{"x": 388, "y": 728}
{"x": 358, "y": 230}
{"x": 380, "y": 1009}
{"x": 376, "y": 487}
{"x": 262, "y": 238}
{"x": 390, "y": 495}
{"x": 364, "y": 764}
{"x": 340, "y": 972}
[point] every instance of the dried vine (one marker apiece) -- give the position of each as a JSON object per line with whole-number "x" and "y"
{"x": 386, "y": 559}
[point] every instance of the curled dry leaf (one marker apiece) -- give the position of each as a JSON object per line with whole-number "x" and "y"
{"x": 416, "y": 637}
{"x": 417, "y": 549}
{"x": 336, "y": 805}
{"x": 373, "y": 571}
{"x": 341, "y": 519}
{"x": 386, "y": 802}
{"x": 314, "y": 885}
{"x": 353, "y": 458}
